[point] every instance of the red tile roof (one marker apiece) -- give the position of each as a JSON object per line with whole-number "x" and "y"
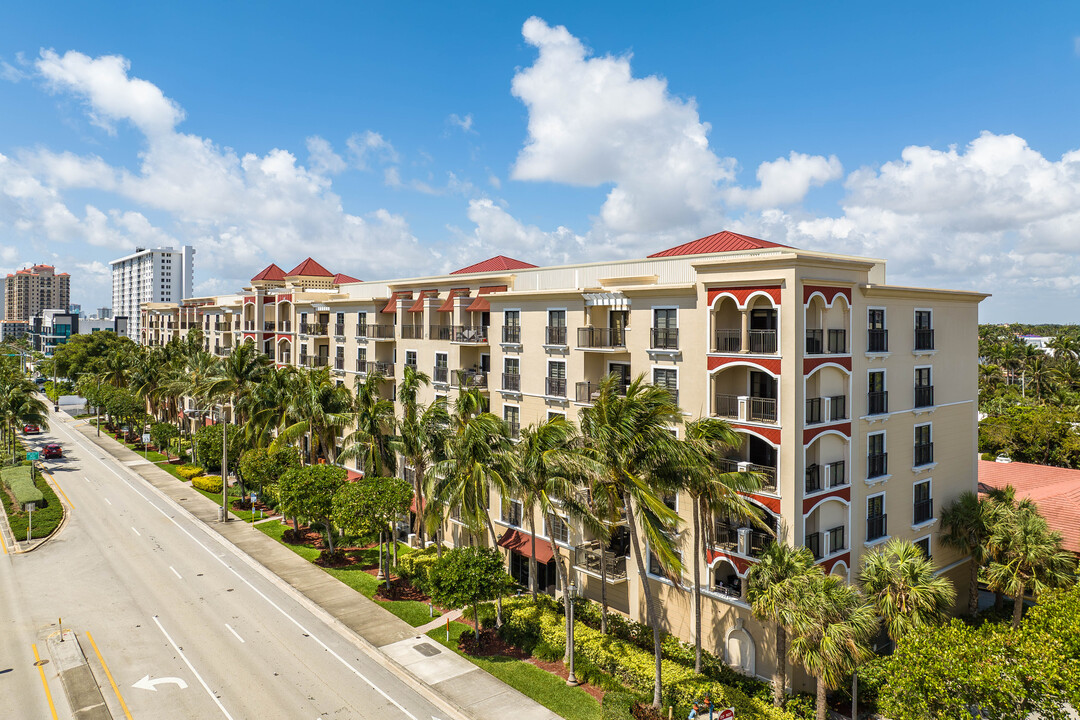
{"x": 481, "y": 304}
{"x": 342, "y": 278}
{"x": 1055, "y": 490}
{"x": 309, "y": 268}
{"x": 724, "y": 241}
{"x": 271, "y": 272}
{"x": 499, "y": 262}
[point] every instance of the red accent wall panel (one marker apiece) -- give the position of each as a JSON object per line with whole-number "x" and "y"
{"x": 770, "y": 364}
{"x": 810, "y": 364}
{"x": 281, "y": 336}
{"x": 771, "y": 434}
{"x": 772, "y": 503}
{"x": 742, "y": 293}
{"x": 843, "y": 493}
{"x": 741, "y": 564}
{"x": 828, "y": 564}
{"x": 829, "y": 292}
{"x": 808, "y": 434}
{"x": 249, "y": 299}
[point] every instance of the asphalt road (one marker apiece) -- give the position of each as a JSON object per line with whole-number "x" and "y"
{"x": 161, "y": 597}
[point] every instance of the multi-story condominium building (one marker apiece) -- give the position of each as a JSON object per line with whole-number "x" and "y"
{"x": 28, "y": 292}
{"x": 160, "y": 275}
{"x": 855, "y": 400}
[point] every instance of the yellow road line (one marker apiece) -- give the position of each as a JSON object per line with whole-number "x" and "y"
{"x": 3, "y": 543}
{"x": 70, "y": 504}
{"x": 44, "y": 682}
{"x": 109, "y": 675}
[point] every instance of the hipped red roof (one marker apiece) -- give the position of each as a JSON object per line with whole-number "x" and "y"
{"x": 1055, "y": 490}
{"x": 499, "y": 262}
{"x": 310, "y": 268}
{"x": 724, "y": 241}
{"x": 271, "y": 272}
{"x": 391, "y": 304}
{"x": 418, "y": 306}
{"x": 342, "y": 278}
{"x": 448, "y": 304}
{"x": 521, "y": 543}
{"x": 481, "y": 304}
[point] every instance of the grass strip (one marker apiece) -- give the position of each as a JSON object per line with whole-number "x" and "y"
{"x": 45, "y": 519}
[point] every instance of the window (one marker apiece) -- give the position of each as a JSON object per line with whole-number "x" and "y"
{"x": 877, "y": 339}
{"x": 877, "y": 398}
{"x": 924, "y": 545}
{"x": 442, "y": 370}
{"x": 557, "y": 529}
{"x": 361, "y": 360}
{"x": 552, "y": 414}
{"x": 671, "y": 499}
{"x": 924, "y": 330}
{"x": 511, "y": 511}
{"x": 512, "y": 416}
{"x": 667, "y": 378}
{"x": 511, "y": 374}
{"x": 875, "y": 517}
{"x": 556, "y": 327}
{"x": 556, "y": 378}
{"x": 511, "y": 326}
{"x": 924, "y": 388}
{"x": 665, "y": 329}
{"x": 361, "y": 324}
{"x": 654, "y": 564}
{"x": 923, "y": 503}
{"x": 876, "y": 456}
{"x": 924, "y": 448}
{"x": 410, "y": 358}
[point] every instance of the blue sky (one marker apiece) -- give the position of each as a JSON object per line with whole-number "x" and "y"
{"x": 389, "y": 139}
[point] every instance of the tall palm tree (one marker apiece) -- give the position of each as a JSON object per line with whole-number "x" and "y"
{"x": 424, "y": 433}
{"x": 900, "y": 582}
{"x": 629, "y": 438}
{"x": 322, "y": 410}
{"x": 771, "y": 599}
{"x": 832, "y": 627}
{"x": 373, "y": 441}
{"x": 1030, "y": 556}
{"x": 967, "y": 529}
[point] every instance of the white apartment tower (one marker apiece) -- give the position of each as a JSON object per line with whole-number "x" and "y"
{"x": 160, "y": 275}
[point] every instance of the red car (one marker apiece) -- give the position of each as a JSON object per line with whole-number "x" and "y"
{"x": 31, "y": 429}
{"x": 52, "y": 450}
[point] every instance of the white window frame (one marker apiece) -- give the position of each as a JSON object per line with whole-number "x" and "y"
{"x": 928, "y": 481}
{"x": 866, "y": 517}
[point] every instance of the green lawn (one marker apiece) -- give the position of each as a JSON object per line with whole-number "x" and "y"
{"x": 244, "y": 515}
{"x": 549, "y": 690}
{"x": 413, "y": 612}
{"x": 45, "y": 520}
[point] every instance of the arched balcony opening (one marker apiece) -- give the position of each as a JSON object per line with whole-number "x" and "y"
{"x": 752, "y": 329}
{"x": 249, "y": 317}
{"x": 754, "y": 455}
{"x": 726, "y": 580}
{"x": 827, "y": 396}
{"x": 744, "y": 536}
{"x": 283, "y": 319}
{"x": 826, "y": 463}
{"x": 827, "y": 326}
{"x": 826, "y": 529}
{"x": 284, "y": 351}
{"x": 745, "y": 394}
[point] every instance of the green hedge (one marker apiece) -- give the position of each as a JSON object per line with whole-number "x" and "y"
{"x": 189, "y": 471}
{"x": 415, "y": 567}
{"x": 45, "y": 519}
{"x": 207, "y": 483}
{"x": 19, "y": 481}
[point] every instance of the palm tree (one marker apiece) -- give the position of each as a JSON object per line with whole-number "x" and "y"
{"x": 629, "y": 438}
{"x": 424, "y": 430}
{"x": 707, "y": 442}
{"x": 1029, "y": 556}
{"x": 832, "y": 625}
{"x": 967, "y": 529}
{"x": 322, "y": 409}
{"x": 20, "y": 405}
{"x": 372, "y": 443}
{"x": 900, "y": 582}
{"x": 771, "y": 599}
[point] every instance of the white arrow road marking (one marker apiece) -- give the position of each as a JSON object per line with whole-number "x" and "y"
{"x": 234, "y": 632}
{"x": 147, "y": 684}
{"x": 193, "y": 670}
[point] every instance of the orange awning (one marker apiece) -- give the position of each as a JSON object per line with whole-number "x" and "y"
{"x": 481, "y": 304}
{"x": 418, "y": 306}
{"x": 521, "y": 543}
{"x": 391, "y": 304}
{"x": 448, "y": 305}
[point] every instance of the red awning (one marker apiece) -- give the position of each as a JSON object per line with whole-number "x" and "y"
{"x": 448, "y": 304}
{"x": 412, "y": 505}
{"x": 481, "y": 304}
{"x": 521, "y": 543}
{"x": 418, "y": 306}
{"x": 391, "y": 304}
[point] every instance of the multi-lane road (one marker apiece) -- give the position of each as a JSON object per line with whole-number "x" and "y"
{"x": 149, "y": 592}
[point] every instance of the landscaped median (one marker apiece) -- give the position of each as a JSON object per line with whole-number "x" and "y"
{"x": 17, "y": 490}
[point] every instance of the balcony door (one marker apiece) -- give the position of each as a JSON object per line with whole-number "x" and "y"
{"x": 764, "y": 319}
{"x": 622, "y": 370}
{"x": 617, "y": 321}
{"x": 762, "y": 385}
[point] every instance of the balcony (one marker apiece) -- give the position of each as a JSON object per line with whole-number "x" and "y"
{"x": 285, "y": 358}
{"x": 745, "y": 408}
{"x": 835, "y": 474}
{"x": 339, "y": 329}
{"x": 924, "y": 339}
{"x": 760, "y": 342}
{"x": 877, "y": 403}
{"x": 767, "y": 472}
{"x": 836, "y": 539}
{"x": 381, "y": 332}
{"x": 440, "y": 374}
{"x": 555, "y": 387}
{"x": 828, "y": 409}
{"x": 924, "y": 396}
{"x": 877, "y": 464}
{"x": 876, "y": 526}
{"x": 601, "y": 338}
{"x": 587, "y": 557}
{"x": 315, "y": 329}
{"x": 813, "y": 542}
{"x": 285, "y": 326}
{"x": 412, "y": 332}
{"x": 318, "y": 361}
{"x": 556, "y": 335}
{"x": 269, "y": 326}
{"x": 877, "y": 341}
{"x": 813, "y": 482}
{"x": 339, "y": 364}
{"x": 361, "y": 366}
{"x": 511, "y": 334}
{"x": 821, "y": 342}
{"x": 511, "y": 382}
{"x": 924, "y": 454}
{"x": 384, "y": 368}
{"x": 923, "y": 511}
{"x": 471, "y": 378}
{"x": 470, "y": 334}
{"x": 726, "y": 536}
{"x": 587, "y": 392}
{"x": 664, "y": 339}
{"x": 361, "y": 330}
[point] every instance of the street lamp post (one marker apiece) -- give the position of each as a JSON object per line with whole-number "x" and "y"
{"x": 224, "y": 467}
{"x": 571, "y": 679}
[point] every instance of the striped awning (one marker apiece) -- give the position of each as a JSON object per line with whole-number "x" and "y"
{"x": 608, "y": 299}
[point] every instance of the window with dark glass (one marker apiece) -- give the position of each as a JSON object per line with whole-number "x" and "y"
{"x": 877, "y": 338}
{"x": 924, "y": 448}
{"x": 557, "y": 529}
{"x": 875, "y": 517}
{"x": 924, "y": 504}
{"x": 924, "y": 388}
{"x": 924, "y": 331}
{"x": 876, "y": 456}
{"x": 876, "y": 397}
{"x": 665, "y": 330}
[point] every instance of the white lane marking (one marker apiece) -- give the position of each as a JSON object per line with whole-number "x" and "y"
{"x": 135, "y": 531}
{"x": 108, "y": 501}
{"x": 176, "y": 573}
{"x": 234, "y": 632}
{"x": 78, "y": 440}
{"x": 86, "y": 478}
{"x": 193, "y": 670}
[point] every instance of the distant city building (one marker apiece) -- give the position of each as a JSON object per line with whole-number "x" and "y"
{"x": 10, "y": 329}
{"x": 160, "y": 275}
{"x": 3, "y": 297}
{"x": 29, "y": 291}
{"x": 55, "y": 327}
{"x": 75, "y": 309}
{"x": 104, "y": 313}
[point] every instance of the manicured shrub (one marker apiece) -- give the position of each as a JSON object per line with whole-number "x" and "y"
{"x": 616, "y": 705}
{"x": 19, "y": 481}
{"x": 189, "y": 471}
{"x": 415, "y": 566}
{"x": 207, "y": 483}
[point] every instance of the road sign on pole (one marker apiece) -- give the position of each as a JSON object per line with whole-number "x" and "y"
{"x": 727, "y": 714}
{"x": 33, "y": 455}
{"x": 145, "y": 438}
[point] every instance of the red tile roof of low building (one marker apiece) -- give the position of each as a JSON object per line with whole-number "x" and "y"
{"x": 1055, "y": 490}
{"x": 270, "y": 272}
{"x": 499, "y": 262}
{"x": 342, "y": 278}
{"x": 309, "y": 268}
{"x": 724, "y": 241}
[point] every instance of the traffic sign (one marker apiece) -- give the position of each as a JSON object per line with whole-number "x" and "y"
{"x": 146, "y": 437}
{"x": 33, "y": 455}
{"x": 727, "y": 714}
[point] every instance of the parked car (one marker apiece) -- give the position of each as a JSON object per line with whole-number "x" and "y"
{"x": 31, "y": 429}
{"x": 52, "y": 450}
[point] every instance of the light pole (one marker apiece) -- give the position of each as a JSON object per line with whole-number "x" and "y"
{"x": 571, "y": 679}
{"x": 224, "y": 466}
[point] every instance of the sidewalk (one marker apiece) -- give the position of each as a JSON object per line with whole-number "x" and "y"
{"x": 430, "y": 668}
